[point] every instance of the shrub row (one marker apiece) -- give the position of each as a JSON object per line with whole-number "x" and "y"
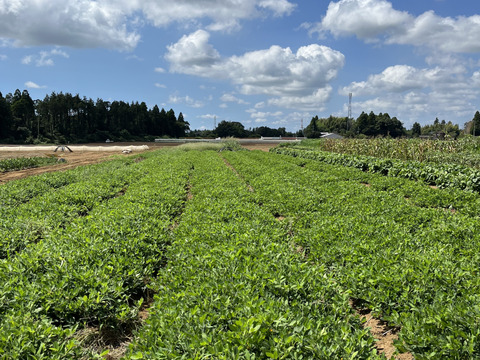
{"x": 441, "y": 175}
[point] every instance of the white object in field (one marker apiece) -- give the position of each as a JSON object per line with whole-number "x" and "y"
{"x": 126, "y": 151}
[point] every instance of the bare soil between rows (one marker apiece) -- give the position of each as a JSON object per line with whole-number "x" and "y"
{"x": 81, "y": 158}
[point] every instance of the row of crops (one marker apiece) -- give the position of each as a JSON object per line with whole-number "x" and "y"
{"x": 239, "y": 255}
{"x": 443, "y": 175}
{"x": 25, "y": 163}
{"x": 100, "y": 237}
{"x": 406, "y": 251}
{"x": 464, "y": 151}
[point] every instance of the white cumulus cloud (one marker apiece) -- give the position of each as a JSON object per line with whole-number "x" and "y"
{"x": 374, "y": 20}
{"x": 192, "y": 54}
{"x": 363, "y": 18}
{"x": 74, "y": 23}
{"x": 290, "y": 78}
{"x": 232, "y": 98}
{"x": 114, "y": 24}
{"x": 400, "y": 78}
{"x": 460, "y": 35}
{"x": 412, "y": 94}
{"x": 175, "y": 99}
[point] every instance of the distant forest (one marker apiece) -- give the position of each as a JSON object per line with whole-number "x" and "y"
{"x": 64, "y": 118}
{"x": 382, "y": 125}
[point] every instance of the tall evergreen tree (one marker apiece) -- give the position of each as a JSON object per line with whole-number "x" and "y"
{"x": 416, "y": 129}
{"x": 181, "y": 126}
{"x": 476, "y": 124}
{"x": 6, "y": 119}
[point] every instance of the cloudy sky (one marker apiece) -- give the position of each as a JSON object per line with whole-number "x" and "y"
{"x": 260, "y": 62}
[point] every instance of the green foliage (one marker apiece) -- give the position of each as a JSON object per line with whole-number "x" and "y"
{"x": 370, "y": 125}
{"x": 465, "y": 151}
{"x": 378, "y": 125}
{"x": 230, "y": 144}
{"x": 250, "y": 255}
{"x": 441, "y": 175}
{"x": 230, "y": 129}
{"x": 63, "y": 118}
{"x": 441, "y": 129}
{"x": 25, "y": 163}
{"x": 474, "y": 126}
{"x": 234, "y": 289}
{"x": 405, "y": 250}
{"x": 94, "y": 260}
{"x": 416, "y": 129}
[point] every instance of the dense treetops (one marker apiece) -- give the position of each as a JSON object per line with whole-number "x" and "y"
{"x": 372, "y": 125}
{"x": 70, "y": 118}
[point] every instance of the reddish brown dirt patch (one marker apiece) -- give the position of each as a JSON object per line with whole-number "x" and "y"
{"x": 384, "y": 334}
{"x": 73, "y": 159}
{"x": 262, "y": 147}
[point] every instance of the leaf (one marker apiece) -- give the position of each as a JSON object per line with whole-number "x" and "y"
{"x": 137, "y": 356}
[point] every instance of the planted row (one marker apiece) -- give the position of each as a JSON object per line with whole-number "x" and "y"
{"x": 416, "y": 267}
{"x": 29, "y": 222}
{"x": 94, "y": 271}
{"x": 441, "y": 175}
{"x": 464, "y": 151}
{"x": 25, "y": 163}
{"x": 234, "y": 288}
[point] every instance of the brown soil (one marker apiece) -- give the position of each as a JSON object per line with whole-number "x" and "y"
{"x": 384, "y": 334}
{"x": 262, "y": 147}
{"x": 73, "y": 159}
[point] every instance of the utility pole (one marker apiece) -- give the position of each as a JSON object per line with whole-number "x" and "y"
{"x": 214, "y": 122}
{"x": 349, "y": 108}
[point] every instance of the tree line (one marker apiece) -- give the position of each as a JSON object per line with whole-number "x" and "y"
{"x": 373, "y": 125}
{"x": 237, "y": 129}
{"x": 63, "y": 118}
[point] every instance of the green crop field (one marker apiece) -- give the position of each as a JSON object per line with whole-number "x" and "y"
{"x": 206, "y": 254}
{"x": 25, "y": 163}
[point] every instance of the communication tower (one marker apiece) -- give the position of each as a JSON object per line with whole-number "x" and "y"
{"x": 214, "y": 122}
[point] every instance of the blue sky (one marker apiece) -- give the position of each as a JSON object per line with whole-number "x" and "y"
{"x": 260, "y": 62}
